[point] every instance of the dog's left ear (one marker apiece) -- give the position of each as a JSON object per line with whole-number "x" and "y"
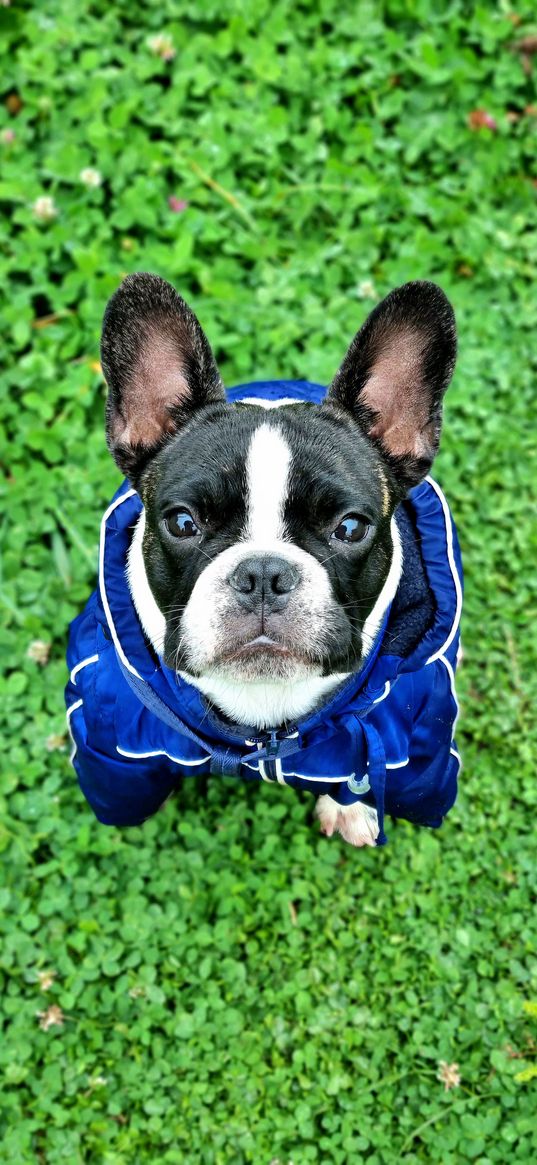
{"x": 395, "y": 374}
{"x": 158, "y": 366}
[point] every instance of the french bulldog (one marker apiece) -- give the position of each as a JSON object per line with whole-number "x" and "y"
{"x": 268, "y": 549}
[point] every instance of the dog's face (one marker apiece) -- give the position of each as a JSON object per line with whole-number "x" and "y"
{"x": 267, "y": 542}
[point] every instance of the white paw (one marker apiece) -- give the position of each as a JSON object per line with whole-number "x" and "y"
{"x": 358, "y": 824}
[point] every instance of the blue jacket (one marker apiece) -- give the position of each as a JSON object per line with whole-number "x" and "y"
{"x": 385, "y": 737}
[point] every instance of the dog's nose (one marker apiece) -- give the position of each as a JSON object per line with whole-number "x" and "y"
{"x": 264, "y": 581}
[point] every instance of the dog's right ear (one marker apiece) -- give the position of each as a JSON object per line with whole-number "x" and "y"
{"x": 158, "y": 366}
{"x": 395, "y": 374}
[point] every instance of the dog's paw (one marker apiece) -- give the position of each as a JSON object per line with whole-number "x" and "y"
{"x": 358, "y": 824}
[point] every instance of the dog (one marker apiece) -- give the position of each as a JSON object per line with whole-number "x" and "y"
{"x": 280, "y": 582}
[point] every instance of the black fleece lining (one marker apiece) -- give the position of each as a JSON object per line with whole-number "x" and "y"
{"x": 413, "y": 608}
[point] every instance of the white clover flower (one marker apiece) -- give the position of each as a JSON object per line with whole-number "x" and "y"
{"x": 91, "y": 178}
{"x": 448, "y": 1074}
{"x": 97, "y": 1081}
{"x": 55, "y": 742}
{"x": 137, "y": 991}
{"x": 45, "y": 979}
{"x": 38, "y": 650}
{"x": 367, "y": 290}
{"x": 45, "y": 208}
{"x": 52, "y": 1017}
{"x": 162, "y": 46}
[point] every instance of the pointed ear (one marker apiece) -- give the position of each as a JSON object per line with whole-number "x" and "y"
{"x": 158, "y": 366}
{"x": 395, "y": 374}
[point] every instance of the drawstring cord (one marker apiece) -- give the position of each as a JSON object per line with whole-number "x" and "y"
{"x": 363, "y": 733}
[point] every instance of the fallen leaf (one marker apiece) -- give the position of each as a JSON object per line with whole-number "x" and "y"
{"x": 480, "y": 119}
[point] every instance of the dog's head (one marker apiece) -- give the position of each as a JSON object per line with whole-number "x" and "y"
{"x": 267, "y": 546}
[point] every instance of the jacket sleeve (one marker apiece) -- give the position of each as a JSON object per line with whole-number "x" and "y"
{"x": 120, "y": 790}
{"x": 424, "y": 789}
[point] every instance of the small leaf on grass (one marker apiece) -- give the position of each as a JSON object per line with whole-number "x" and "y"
{"x": 89, "y": 554}
{"x": 60, "y": 555}
{"x": 526, "y": 1074}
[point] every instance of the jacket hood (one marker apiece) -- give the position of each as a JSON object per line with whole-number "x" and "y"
{"x": 419, "y": 627}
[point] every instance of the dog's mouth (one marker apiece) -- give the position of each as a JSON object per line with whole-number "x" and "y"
{"x": 256, "y": 647}
{"x": 262, "y": 657}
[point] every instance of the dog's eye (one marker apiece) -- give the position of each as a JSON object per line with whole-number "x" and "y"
{"x": 352, "y": 528}
{"x": 181, "y": 524}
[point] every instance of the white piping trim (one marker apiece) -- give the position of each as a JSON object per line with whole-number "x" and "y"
{"x": 323, "y": 780}
{"x": 83, "y": 663}
{"x": 373, "y": 621}
{"x": 451, "y": 560}
{"x": 451, "y": 674}
{"x": 386, "y": 692}
{"x": 280, "y": 775}
{"x": 161, "y": 752}
{"x": 118, "y": 502}
{"x": 72, "y": 708}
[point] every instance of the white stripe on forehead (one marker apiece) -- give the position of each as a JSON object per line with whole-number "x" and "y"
{"x": 268, "y": 404}
{"x": 267, "y": 472}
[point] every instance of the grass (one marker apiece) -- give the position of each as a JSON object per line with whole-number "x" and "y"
{"x": 231, "y": 987}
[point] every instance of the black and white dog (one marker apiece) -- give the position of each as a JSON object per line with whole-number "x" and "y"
{"x": 267, "y": 552}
